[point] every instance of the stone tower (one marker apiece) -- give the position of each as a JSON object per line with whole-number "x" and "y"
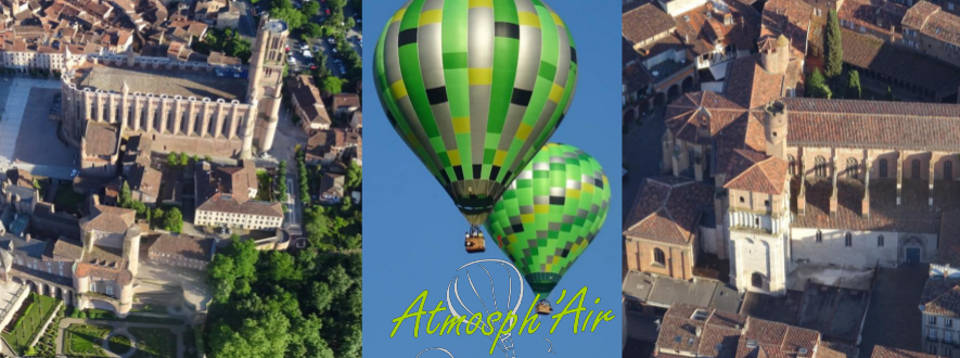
{"x": 265, "y": 82}
{"x": 775, "y": 125}
{"x": 131, "y": 249}
{"x": 775, "y": 54}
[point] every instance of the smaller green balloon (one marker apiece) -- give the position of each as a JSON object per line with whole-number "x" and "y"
{"x": 551, "y": 213}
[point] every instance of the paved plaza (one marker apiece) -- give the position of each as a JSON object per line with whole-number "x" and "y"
{"x": 28, "y": 138}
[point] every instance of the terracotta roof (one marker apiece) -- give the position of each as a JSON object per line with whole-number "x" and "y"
{"x": 751, "y": 86}
{"x": 768, "y": 176}
{"x": 668, "y": 210}
{"x": 109, "y": 219}
{"x": 787, "y": 17}
{"x": 100, "y": 139}
{"x": 119, "y": 275}
{"x": 225, "y": 203}
{"x": 873, "y": 124}
{"x": 703, "y": 332}
{"x": 941, "y": 296}
{"x": 704, "y": 26}
{"x": 941, "y": 25}
{"x": 878, "y": 16}
{"x": 645, "y": 22}
{"x": 869, "y": 52}
{"x": 65, "y": 249}
{"x": 308, "y": 99}
{"x": 698, "y": 116}
{"x": 775, "y": 339}
{"x": 350, "y": 101}
{"x": 880, "y": 351}
{"x": 185, "y": 246}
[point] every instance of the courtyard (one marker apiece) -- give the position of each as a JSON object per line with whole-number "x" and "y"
{"x": 28, "y": 138}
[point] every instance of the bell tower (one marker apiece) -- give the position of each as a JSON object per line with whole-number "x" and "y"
{"x": 775, "y": 128}
{"x": 265, "y": 82}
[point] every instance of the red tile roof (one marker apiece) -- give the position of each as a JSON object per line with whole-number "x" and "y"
{"x": 645, "y": 22}
{"x": 767, "y": 176}
{"x": 668, "y": 210}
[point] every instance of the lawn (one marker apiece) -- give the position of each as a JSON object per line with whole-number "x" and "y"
{"x": 37, "y": 309}
{"x": 154, "y": 342}
{"x": 84, "y": 340}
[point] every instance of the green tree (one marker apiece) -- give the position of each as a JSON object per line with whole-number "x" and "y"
{"x": 311, "y": 8}
{"x": 331, "y": 85}
{"x": 157, "y": 216}
{"x": 312, "y": 30}
{"x": 354, "y": 176}
{"x": 351, "y": 23}
{"x": 834, "y": 46}
{"x": 816, "y": 85}
{"x": 184, "y": 159}
{"x": 173, "y": 159}
{"x": 853, "y": 90}
{"x": 173, "y": 220}
{"x": 293, "y": 17}
{"x": 124, "y": 197}
{"x": 222, "y": 277}
{"x": 279, "y": 266}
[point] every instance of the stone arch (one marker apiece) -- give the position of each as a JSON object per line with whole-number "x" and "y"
{"x": 820, "y": 167}
{"x": 852, "y": 168}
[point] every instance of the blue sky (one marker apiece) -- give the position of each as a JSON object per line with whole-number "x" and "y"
{"x": 413, "y": 234}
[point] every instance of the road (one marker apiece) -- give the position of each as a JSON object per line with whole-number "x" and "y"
{"x": 642, "y": 150}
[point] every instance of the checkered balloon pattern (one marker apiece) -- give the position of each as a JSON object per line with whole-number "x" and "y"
{"x": 475, "y": 88}
{"x": 551, "y": 213}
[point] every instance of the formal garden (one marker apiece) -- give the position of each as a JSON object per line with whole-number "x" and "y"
{"x": 28, "y": 321}
{"x": 84, "y": 340}
{"x": 87, "y": 341}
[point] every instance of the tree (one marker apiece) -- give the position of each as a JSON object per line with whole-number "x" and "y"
{"x": 354, "y": 176}
{"x": 158, "y": 214}
{"x": 816, "y": 85}
{"x": 279, "y": 266}
{"x": 173, "y": 159}
{"x": 351, "y": 23}
{"x": 184, "y": 159}
{"x": 331, "y": 85}
{"x": 853, "y": 90}
{"x": 311, "y": 8}
{"x": 222, "y": 277}
{"x": 293, "y": 17}
{"x": 173, "y": 220}
{"x": 833, "y": 46}
{"x": 312, "y": 30}
{"x": 125, "y": 197}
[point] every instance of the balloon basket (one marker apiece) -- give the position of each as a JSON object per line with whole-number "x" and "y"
{"x": 474, "y": 243}
{"x": 544, "y": 308}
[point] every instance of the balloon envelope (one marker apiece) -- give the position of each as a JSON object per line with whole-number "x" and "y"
{"x": 551, "y": 213}
{"x": 475, "y": 88}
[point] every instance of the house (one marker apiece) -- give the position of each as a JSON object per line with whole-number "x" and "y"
{"x": 331, "y": 188}
{"x": 308, "y": 105}
{"x": 182, "y": 251}
{"x": 225, "y": 197}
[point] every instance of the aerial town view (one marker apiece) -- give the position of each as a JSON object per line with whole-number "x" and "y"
{"x": 180, "y": 178}
{"x": 792, "y": 178}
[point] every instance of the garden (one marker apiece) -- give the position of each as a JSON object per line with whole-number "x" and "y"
{"x": 28, "y": 322}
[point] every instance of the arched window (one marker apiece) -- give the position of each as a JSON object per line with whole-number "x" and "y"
{"x": 820, "y": 167}
{"x": 819, "y": 236}
{"x": 792, "y": 165}
{"x": 659, "y": 257}
{"x": 852, "y": 168}
{"x": 756, "y": 280}
{"x": 880, "y": 241}
{"x": 882, "y": 163}
{"x": 948, "y": 170}
{"x": 848, "y": 240}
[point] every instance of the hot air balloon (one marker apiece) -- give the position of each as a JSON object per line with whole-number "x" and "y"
{"x": 475, "y": 88}
{"x": 550, "y": 214}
